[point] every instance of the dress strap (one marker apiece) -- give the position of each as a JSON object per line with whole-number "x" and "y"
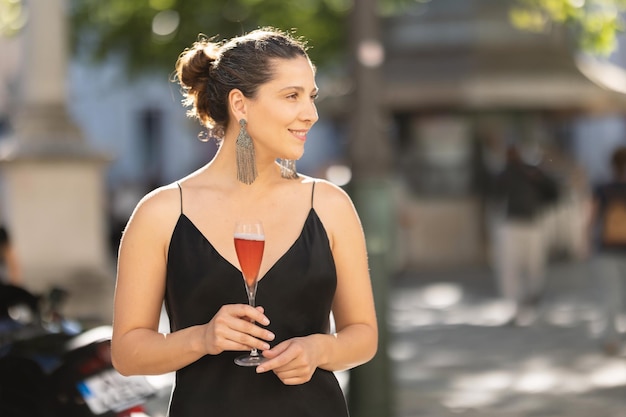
{"x": 312, "y": 192}
{"x": 180, "y": 189}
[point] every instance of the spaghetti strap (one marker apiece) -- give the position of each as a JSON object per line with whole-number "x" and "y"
{"x": 180, "y": 190}
{"x": 312, "y": 192}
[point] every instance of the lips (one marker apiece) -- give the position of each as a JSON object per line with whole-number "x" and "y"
{"x": 300, "y": 134}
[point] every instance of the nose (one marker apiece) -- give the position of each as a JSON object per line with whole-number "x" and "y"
{"x": 309, "y": 113}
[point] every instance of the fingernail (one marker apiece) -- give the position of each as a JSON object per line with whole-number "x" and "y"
{"x": 260, "y": 369}
{"x": 266, "y": 346}
{"x": 270, "y": 336}
{"x": 266, "y": 321}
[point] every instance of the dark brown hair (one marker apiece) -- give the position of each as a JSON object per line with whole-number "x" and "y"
{"x": 208, "y": 71}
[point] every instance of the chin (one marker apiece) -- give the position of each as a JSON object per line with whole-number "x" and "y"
{"x": 293, "y": 156}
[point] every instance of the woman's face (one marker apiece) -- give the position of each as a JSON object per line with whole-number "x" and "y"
{"x": 283, "y": 111}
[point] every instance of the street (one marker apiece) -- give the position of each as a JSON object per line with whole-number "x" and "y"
{"x": 453, "y": 354}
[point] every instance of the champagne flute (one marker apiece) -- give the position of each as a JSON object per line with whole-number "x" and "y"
{"x": 249, "y": 245}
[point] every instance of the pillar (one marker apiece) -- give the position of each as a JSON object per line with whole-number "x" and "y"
{"x": 53, "y": 184}
{"x": 370, "y": 391}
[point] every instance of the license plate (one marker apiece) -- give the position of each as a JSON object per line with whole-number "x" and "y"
{"x": 110, "y": 390}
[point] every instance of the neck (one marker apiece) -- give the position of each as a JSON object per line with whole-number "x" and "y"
{"x": 225, "y": 161}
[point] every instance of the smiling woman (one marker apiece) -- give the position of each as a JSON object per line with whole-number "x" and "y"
{"x": 256, "y": 95}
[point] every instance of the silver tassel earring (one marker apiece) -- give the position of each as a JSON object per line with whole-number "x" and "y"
{"x": 288, "y": 169}
{"x": 246, "y": 164}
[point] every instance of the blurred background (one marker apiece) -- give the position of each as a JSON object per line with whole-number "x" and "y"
{"x": 419, "y": 101}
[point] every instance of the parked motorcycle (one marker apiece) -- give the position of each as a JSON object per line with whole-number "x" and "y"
{"x": 50, "y": 367}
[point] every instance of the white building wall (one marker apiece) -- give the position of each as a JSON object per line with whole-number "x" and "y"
{"x": 108, "y": 106}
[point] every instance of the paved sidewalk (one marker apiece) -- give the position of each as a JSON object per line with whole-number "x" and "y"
{"x": 454, "y": 356}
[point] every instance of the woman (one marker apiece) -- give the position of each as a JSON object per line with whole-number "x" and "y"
{"x": 257, "y": 93}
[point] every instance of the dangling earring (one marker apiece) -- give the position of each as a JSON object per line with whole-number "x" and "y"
{"x": 246, "y": 164}
{"x": 288, "y": 169}
{"x": 203, "y": 136}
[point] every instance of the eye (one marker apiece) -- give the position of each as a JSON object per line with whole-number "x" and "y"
{"x": 293, "y": 96}
{"x": 315, "y": 96}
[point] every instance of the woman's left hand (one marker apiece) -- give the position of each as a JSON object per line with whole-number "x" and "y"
{"x": 294, "y": 361}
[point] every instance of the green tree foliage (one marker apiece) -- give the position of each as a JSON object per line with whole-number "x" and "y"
{"x": 131, "y": 28}
{"x": 151, "y": 33}
{"x": 12, "y": 17}
{"x": 595, "y": 24}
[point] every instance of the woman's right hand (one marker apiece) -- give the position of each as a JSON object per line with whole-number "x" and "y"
{"x": 234, "y": 328}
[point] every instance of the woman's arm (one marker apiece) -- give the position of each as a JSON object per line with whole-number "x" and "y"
{"x": 137, "y": 346}
{"x": 356, "y": 339}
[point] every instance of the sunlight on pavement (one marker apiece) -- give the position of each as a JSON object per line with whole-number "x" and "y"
{"x": 405, "y": 321}
{"x": 402, "y": 351}
{"x": 457, "y": 349}
{"x": 569, "y": 314}
{"x": 538, "y": 380}
{"x": 441, "y": 295}
{"x": 484, "y": 381}
{"x": 412, "y": 372}
{"x": 474, "y": 399}
{"x": 447, "y": 304}
{"x": 610, "y": 374}
{"x": 444, "y": 303}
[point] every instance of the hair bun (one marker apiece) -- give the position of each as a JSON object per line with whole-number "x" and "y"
{"x": 195, "y": 64}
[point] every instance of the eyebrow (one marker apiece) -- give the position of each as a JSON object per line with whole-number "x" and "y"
{"x": 298, "y": 88}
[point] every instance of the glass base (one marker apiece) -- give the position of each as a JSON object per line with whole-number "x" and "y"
{"x": 249, "y": 360}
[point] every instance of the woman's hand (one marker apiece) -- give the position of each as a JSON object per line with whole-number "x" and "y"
{"x": 294, "y": 361}
{"x": 233, "y": 328}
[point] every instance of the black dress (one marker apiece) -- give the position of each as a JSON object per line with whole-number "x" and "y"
{"x": 297, "y": 294}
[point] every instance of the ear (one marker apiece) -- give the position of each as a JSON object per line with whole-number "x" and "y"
{"x": 237, "y": 104}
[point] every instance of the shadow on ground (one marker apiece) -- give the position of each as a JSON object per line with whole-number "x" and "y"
{"x": 454, "y": 355}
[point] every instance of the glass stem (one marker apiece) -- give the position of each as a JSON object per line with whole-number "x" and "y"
{"x": 252, "y": 301}
{"x": 251, "y": 298}
{"x": 251, "y": 295}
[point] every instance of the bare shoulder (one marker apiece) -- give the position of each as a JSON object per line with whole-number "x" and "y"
{"x": 158, "y": 210}
{"x": 334, "y": 208}
{"x": 160, "y": 201}
{"x": 330, "y": 196}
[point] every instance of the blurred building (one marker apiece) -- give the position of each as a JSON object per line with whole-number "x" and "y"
{"x": 460, "y": 83}
{"x": 52, "y": 189}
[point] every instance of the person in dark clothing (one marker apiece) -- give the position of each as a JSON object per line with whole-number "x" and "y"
{"x": 256, "y": 93}
{"x": 11, "y": 292}
{"x": 524, "y": 192}
{"x": 608, "y": 228}
{"x": 10, "y": 272}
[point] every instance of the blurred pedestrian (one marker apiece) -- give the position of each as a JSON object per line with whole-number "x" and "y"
{"x": 11, "y": 290}
{"x": 524, "y": 193}
{"x": 608, "y": 225}
{"x": 257, "y": 94}
{"x": 10, "y": 270}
